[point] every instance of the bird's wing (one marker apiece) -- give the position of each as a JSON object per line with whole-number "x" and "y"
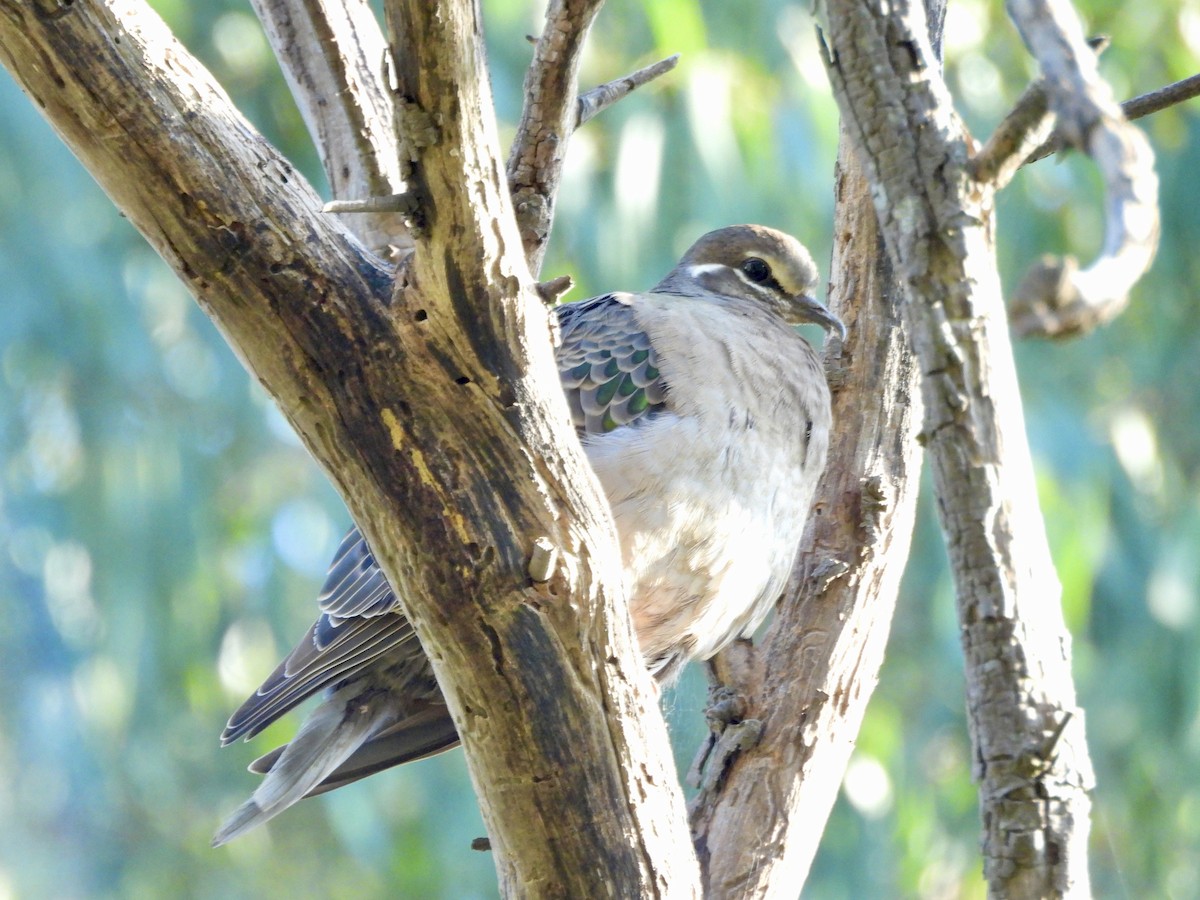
{"x": 608, "y": 368}
{"x": 360, "y": 620}
{"x": 611, "y": 378}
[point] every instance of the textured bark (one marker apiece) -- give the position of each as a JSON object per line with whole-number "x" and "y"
{"x": 1030, "y": 753}
{"x": 1059, "y": 297}
{"x": 819, "y": 664}
{"x": 333, "y": 55}
{"x": 434, "y": 406}
{"x": 548, "y": 118}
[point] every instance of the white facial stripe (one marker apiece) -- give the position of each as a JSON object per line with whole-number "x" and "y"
{"x": 695, "y": 271}
{"x": 706, "y": 269}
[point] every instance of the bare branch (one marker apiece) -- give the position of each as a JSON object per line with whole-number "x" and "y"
{"x": 390, "y": 203}
{"x": 406, "y": 388}
{"x": 1027, "y": 125}
{"x": 332, "y": 53}
{"x": 938, "y": 228}
{"x": 546, "y": 647}
{"x": 547, "y": 120}
{"x": 1134, "y": 108}
{"x": 605, "y": 95}
{"x": 1058, "y": 298}
{"x": 1163, "y": 98}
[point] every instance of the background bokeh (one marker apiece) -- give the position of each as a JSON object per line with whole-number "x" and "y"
{"x": 162, "y": 534}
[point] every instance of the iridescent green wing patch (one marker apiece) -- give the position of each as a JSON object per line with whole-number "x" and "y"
{"x": 609, "y": 370}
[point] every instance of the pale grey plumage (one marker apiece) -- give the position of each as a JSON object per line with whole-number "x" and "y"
{"x": 706, "y": 418}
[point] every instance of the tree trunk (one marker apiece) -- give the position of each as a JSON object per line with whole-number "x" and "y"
{"x": 429, "y": 394}
{"x": 434, "y": 405}
{"x": 937, "y": 222}
{"x": 808, "y": 687}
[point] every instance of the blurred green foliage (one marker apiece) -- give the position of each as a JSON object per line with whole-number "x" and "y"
{"x": 162, "y": 533}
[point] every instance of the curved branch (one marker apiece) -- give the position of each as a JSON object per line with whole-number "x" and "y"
{"x": 1058, "y": 298}
{"x": 937, "y": 225}
{"x": 1025, "y": 128}
{"x": 1134, "y": 108}
{"x": 1028, "y": 124}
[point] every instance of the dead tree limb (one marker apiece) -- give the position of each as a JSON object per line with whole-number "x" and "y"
{"x": 937, "y": 221}
{"x": 1058, "y": 297}
{"x": 334, "y": 58}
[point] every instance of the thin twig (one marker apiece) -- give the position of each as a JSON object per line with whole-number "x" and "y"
{"x": 1057, "y": 297}
{"x": 600, "y": 98}
{"x": 388, "y": 203}
{"x": 547, "y": 120}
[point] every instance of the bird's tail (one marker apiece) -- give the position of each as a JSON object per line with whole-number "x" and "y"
{"x": 328, "y": 737}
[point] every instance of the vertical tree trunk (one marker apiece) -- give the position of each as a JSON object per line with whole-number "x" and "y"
{"x": 432, "y": 400}
{"x": 937, "y": 221}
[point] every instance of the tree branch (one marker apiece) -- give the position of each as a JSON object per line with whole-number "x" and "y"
{"x": 937, "y": 225}
{"x": 332, "y": 55}
{"x": 1057, "y": 298}
{"x": 548, "y": 118}
{"x": 429, "y": 402}
{"x": 1026, "y": 126}
{"x": 819, "y": 663}
{"x": 1134, "y": 108}
{"x": 601, "y": 97}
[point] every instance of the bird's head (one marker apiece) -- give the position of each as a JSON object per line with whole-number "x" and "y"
{"x": 759, "y": 264}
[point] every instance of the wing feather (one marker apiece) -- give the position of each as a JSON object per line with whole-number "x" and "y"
{"x": 608, "y": 367}
{"x": 611, "y": 378}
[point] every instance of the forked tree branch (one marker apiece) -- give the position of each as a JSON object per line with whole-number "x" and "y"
{"x": 430, "y": 402}
{"x": 1027, "y": 732}
{"x": 1025, "y": 128}
{"x": 1057, "y": 297}
{"x": 1028, "y": 124}
{"x": 334, "y": 56}
{"x": 1134, "y": 108}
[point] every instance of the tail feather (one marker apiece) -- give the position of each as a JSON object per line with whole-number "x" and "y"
{"x": 417, "y": 737}
{"x": 330, "y": 736}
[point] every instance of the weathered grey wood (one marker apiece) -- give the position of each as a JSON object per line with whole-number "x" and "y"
{"x": 434, "y": 405}
{"x": 548, "y": 118}
{"x": 333, "y": 56}
{"x": 1058, "y": 297}
{"x": 937, "y": 222}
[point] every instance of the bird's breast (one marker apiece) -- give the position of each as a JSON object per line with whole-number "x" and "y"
{"x": 710, "y": 496}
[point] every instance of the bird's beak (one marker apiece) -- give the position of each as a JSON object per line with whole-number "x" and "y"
{"x": 807, "y": 308}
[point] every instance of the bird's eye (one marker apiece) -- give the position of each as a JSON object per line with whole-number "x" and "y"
{"x": 756, "y": 270}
